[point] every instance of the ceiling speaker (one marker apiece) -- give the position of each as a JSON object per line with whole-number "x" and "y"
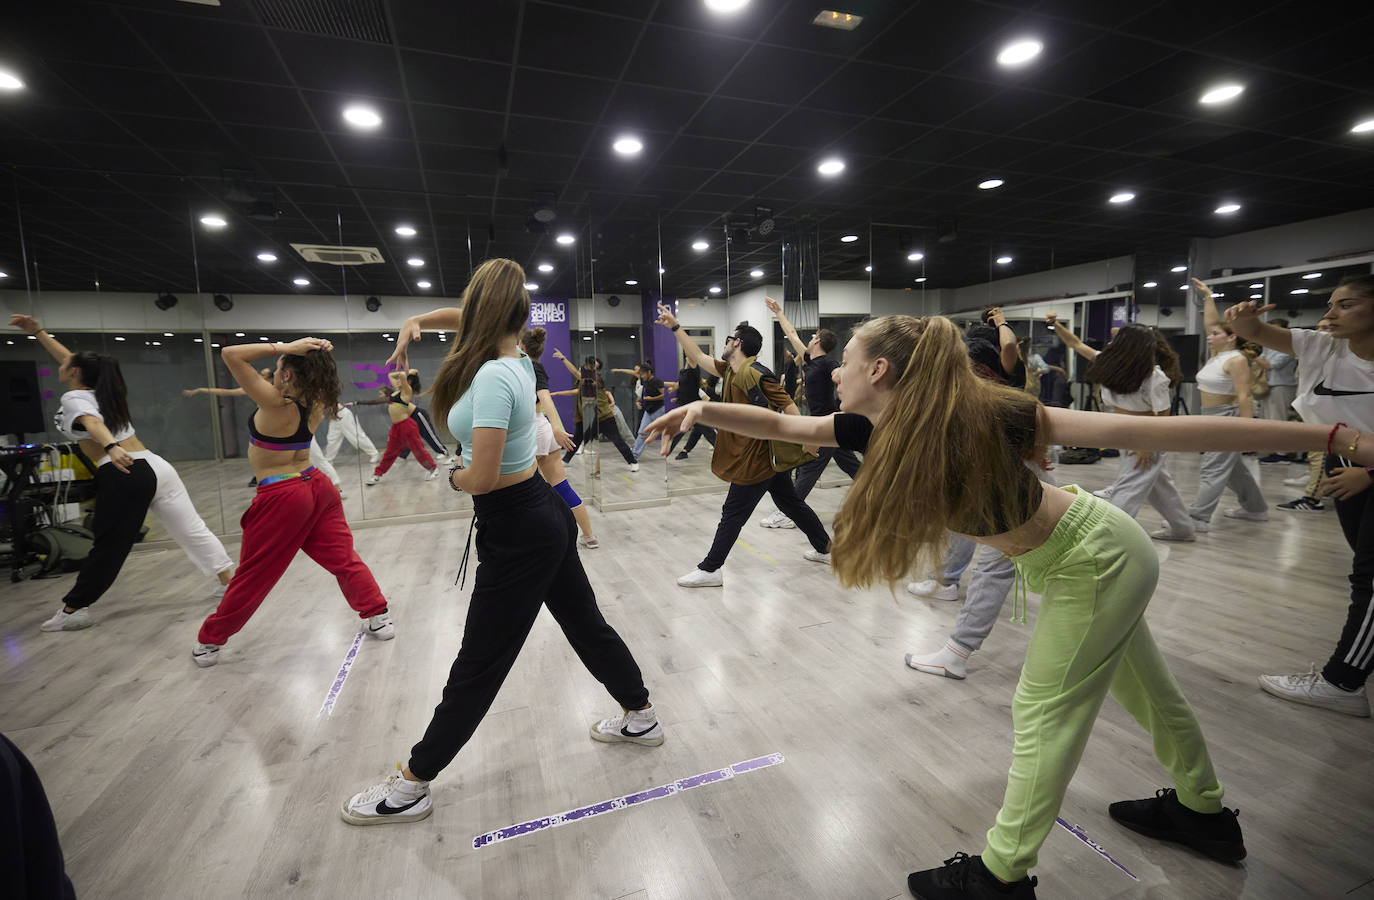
{"x": 373, "y": 304}
{"x": 165, "y": 301}
{"x": 223, "y": 303}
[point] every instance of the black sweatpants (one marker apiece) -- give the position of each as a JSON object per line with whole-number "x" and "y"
{"x": 698, "y": 432}
{"x": 739, "y": 505}
{"x": 526, "y": 558}
{"x": 808, "y": 473}
{"x": 30, "y": 855}
{"x": 121, "y": 505}
{"x": 606, "y": 428}
{"x": 1353, "y": 660}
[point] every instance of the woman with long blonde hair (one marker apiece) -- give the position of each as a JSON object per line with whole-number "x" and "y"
{"x": 526, "y": 544}
{"x": 945, "y": 450}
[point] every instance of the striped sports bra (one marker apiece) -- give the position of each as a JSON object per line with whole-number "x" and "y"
{"x": 298, "y": 441}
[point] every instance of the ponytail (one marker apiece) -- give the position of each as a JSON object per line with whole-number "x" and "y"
{"x": 102, "y": 375}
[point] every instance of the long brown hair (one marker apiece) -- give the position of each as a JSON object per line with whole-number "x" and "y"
{"x": 1125, "y": 364}
{"x": 315, "y": 381}
{"x": 102, "y": 375}
{"x": 495, "y": 305}
{"x": 934, "y": 459}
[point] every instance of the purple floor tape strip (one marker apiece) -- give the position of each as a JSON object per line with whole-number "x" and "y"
{"x": 1078, "y": 832}
{"x": 606, "y": 806}
{"x": 328, "y": 707}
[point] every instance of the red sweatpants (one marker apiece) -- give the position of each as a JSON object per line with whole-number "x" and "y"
{"x": 404, "y": 433}
{"x": 296, "y": 514}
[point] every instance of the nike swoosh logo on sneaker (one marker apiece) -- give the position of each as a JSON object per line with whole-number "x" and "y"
{"x": 625, "y": 730}
{"x": 384, "y": 810}
{"x": 1325, "y": 391}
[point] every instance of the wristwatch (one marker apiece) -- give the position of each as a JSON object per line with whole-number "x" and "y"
{"x": 675, "y": 327}
{"x": 111, "y": 444}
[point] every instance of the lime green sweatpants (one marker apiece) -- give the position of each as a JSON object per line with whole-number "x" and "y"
{"x": 1096, "y": 573}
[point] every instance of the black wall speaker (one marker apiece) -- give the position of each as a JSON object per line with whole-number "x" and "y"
{"x": 21, "y": 406}
{"x": 1189, "y": 349}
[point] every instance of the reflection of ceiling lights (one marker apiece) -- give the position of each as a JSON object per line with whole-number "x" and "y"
{"x": 415, "y": 262}
{"x": 714, "y": 289}
{"x": 1226, "y": 209}
{"x": 1018, "y": 53}
{"x": 756, "y": 273}
{"x": 300, "y": 282}
{"x": 661, "y": 270}
{"x": 423, "y": 285}
{"x": 868, "y": 268}
{"x": 990, "y": 184}
{"x": 1310, "y": 275}
{"x": 921, "y": 280}
{"x": 10, "y": 81}
{"x": 1256, "y": 296}
{"x": 1257, "y": 285}
{"x": 267, "y": 256}
{"x": 631, "y": 282}
{"x": 238, "y": 334}
{"x": 546, "y": 267}
{"x": 1123, "y": 197}
{"x": 1221, "y": 93}
{"x": 915, "y": 256}
{"x": 849, "y": 238}
{"x": 1179, "y": 269}
{"x": 831, "y": 167}
{"x": 405, "y": 231}
{"x": 700, "y": 245}
{"x": 1003, "y": 260}
{"x": 213, "y": 221}
{"x": 565, "y": 239}
{"x": 1298, "y": 291}
{"x": 1183, "y": 287}
{"x": 627, "y": 146}
{"x": 364, "y": 117}
{"x": 1150, "y": 284}
{"x": 531, "y": 286}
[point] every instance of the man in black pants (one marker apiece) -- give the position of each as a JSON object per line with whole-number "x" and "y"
{"x": 689, "y": 387}
{"x": 744, "y": 462}
{"x": 29, "y": 852}
{"x": 818, "y": 377}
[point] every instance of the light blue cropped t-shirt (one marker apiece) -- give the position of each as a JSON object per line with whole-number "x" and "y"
{"x": 501, "y": 396}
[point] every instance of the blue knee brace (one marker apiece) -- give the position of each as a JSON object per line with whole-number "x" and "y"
{"x": 565, "y": 490}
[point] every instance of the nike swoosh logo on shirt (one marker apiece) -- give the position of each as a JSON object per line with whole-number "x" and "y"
{"x": 625, "y": 730}
{"x": 1325, "y": 391}
{"x": 384, "y": 810}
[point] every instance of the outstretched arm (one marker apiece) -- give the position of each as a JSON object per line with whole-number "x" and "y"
{"x": 1244, "y": 319}
{"x": 1210, "y": 317}
{"x": 446, "y": 318}
{"x": 787, "y": 328}
{"x": 558, "y": 355}
{"x": 30, "y": 325}
{"x": 689, "y": 347}
{"x": 1006, "y": 340}
{"x": 1078, "y": 428}
{"x": 217, "y": 392}
{"x": 750, "y": 421}
{"x": 1071, "y": 340}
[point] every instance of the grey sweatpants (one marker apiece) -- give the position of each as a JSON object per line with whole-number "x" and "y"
{"x": 1221, "y": 471}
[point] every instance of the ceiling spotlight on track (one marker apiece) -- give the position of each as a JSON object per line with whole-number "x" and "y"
{"x": 165, "y": 301}
{"x": 223, "y": 303}
{"x": 373, "y": 304}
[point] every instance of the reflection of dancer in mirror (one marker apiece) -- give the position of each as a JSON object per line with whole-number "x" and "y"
{"x": 424, "y": 423}
{"x": 404, "y": 431}
{"x": 346, "y": 428}
{"x": 318, "y": 456}
{"x": 688, "y": 389}
{"x": 925, "y": 422}
{"x": 294, "y": 509}
{"x": 551, "y": 440}
{"x": 600, "y": 405}
{"x": 130, "y": 479}
{"x": 526, "y": 545}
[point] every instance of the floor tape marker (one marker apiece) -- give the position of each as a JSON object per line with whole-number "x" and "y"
{"x": 605, "y": 806}
{"x": 1078, "y": 832}
{"x": 759, "y": 552}
{"x": 328, "y": 707}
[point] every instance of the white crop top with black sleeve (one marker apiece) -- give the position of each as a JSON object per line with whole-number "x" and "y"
{"x": 76, "y": 404}
{"x": 1152, "y": 396}
{"x": 1213, "y": 379}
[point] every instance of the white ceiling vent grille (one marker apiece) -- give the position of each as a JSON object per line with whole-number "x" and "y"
{"x": 361, "y": 20}
{"x": 338, "y": 256}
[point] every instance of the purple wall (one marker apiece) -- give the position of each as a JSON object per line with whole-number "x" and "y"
{"x": 553, "y": 316}
{"x": 659, "y": 342}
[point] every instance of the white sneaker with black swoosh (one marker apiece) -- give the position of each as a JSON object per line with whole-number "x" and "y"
{"x": 394, "y": 800}
{"x": 635, "y": 726}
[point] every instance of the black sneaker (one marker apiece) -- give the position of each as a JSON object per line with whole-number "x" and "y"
{"x": 965, "y": 876}
{"x": 682, "y": 455}
{"x": 1212, "y": 834}
{"x": 1304, "y": 504}
{"x": 1274, "y": 458}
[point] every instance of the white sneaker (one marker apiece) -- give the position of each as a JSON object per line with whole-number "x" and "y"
{"x": 1168, "y": 534}
{"x": 1248, "y": 516}
{"x": 701, "y": 578}
{"x": 394, "y": 800}
{"x": 218, "y": 594}
{"x": 380, "y": 627}
{"x": 817, "y": 556}
{"x": 68, "y": 621}
{"x": 1297, "y": 481}
{"x": 372, "y": 479}
{"x": 433, "y": 474}
{"x": 634, "y": 467}
{"x": 772, "y": 521}
{"x": 1311, "y": 689}
{"x": 634, "y": 726}
{"x": 588, "y": 542}
{"x": 1200, "y": 526}
{"x": 374, "y": 460}
{"x": 933, "y": 590}
{"x": 948, "y": 661}
{"x": 205, "y": 655}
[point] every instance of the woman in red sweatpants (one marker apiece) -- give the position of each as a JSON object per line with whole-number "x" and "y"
{"x": 296, "y": 507}
{"x": 404, "y": 432}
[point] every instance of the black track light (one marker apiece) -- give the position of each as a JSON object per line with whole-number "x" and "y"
{"x": 165, "y": 301}
{"x": 223, "y": 303}
{"x": 373, "y": 304}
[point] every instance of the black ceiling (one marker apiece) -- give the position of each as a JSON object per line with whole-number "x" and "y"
{"x": 138, "y": 117}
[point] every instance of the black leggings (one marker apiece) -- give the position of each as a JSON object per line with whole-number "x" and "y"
{"x": 121, "y": 505}
{"x": 30, "y": 855}
{"x": 526, "y": 558}
{"x": 698, "y": 432}
{"x": 1353, "y": 659}
{"x": 739, "y": 506}
{"x": 607, "y": 429}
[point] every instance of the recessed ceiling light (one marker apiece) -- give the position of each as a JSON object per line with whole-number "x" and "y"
{"x": 300, "y": 282}
{"x": 546, "y": 267}
{"x": 1310, "y": 275}
{"x": 1123, "y": 197}
{"x": 531, "y": 285}
{"x": 565, "y": 239}
{"x": 238, "y": 334}
{"x": 627, "y": 146}
{"x": 921, "y": 280}
{"x": 263, "y": 338}
{"x": 849, "y": 238}
{"x": 10, "y": 81}
{"x": 168, "y": 334}
{"x": 726, "y": 6}
{"x": 1218, "y": 293}
{"x": 868, "y": 268}
{"x": 1183, "y": 287}
{"x": 4, "y": 274}
{"x": 267, "y": 256}
{"x": 915, "y": 256}
{"x": 362, "y": 117}
{"x": 1019, "y": 52}
{"x": 1257, "y": 285}
{"x": 714, "y": 289}
{"x": 630, "y": 282}
{"x": 699, "y": 245}
{"x": 213, "y": 221}
{"x": 1256, "y": 296}
{"x": 990, "y": 184}
{"x": 1298, "y": 291}
{"x": 830, "y": 167}
{"x": 661, "y": 270}
{"x": 1003, "y": 260}
{"x": 415, "y": 261}
{"x": 212, "y": 345}
{"x": 1150, "y": 284}
{"x": 405, "y": 231}
{"x": 1179, "y": 269}
{"x": 1221, "y": 93}
{"x": 756, "y": 273}
{"x": 1226, "y": 209}
{"x": 423, "y": 285}
{"x": 1363, "y": 127}
{"x": 199, "y": 340}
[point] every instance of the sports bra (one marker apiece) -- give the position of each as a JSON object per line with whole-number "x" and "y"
{"x": 1212, "y": 377}
{"x": 396, "y": 398}
{"x": 300, "y": 440}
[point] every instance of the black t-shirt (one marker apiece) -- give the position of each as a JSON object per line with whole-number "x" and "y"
{"x": 820, "y": 386}
{"x": 541, "y": 377}
{"x": 653, "y": 388}
{"x": 688, "y": 384}
{"x": 852, "y": 432}
{"x": 789, "y": 375}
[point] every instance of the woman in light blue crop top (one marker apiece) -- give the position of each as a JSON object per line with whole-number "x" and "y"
{"x": 526, "y": 544}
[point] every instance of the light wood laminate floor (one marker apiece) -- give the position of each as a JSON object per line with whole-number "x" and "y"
{"x": 171, "y": 781}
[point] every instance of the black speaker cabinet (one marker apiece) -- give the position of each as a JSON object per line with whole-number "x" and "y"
{"x": 1189, "y": 350}
{"x": 21, "y": 406}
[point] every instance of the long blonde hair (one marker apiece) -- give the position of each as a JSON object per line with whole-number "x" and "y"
{"x": 939, "y": 458}
{"x": 495, "y": 306}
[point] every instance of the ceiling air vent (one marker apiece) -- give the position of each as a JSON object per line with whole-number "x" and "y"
{"x": 362, "y": 20}
{"x": 338, "y": 256}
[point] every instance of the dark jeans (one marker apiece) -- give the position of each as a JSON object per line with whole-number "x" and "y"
{"x": 121, "y": 505}
{"x": 526, "y": 558}
{"x": 607, "y": 429}
{"x": 808, "y": 473}
{"x": 30, "y": 855}
{"x": 739, "y": 506}
{"x": 698, "y": 432}
{"x": 1353, "y": 660}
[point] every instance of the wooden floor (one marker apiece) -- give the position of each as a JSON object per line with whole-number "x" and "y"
{"x": 169, "y": 781}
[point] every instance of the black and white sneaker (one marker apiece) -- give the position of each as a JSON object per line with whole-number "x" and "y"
{"x": 394, "y": 800}
{"x": 635, "y": 726}
{"x": 1304, "y": 504}
{"x": 380, "y": 627}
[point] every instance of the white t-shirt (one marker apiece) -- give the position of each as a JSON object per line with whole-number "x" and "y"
{"x": 1334, "y": 385}
{"x": 1151, "y": 396}
{"x": 76, "y": 404}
